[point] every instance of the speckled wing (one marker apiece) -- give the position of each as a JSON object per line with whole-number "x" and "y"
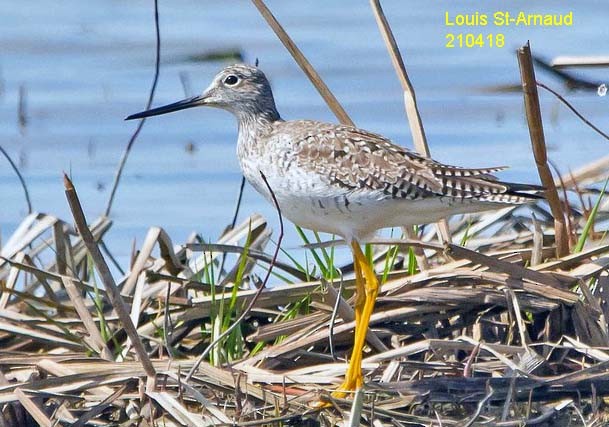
{"x": 354, "y": 159}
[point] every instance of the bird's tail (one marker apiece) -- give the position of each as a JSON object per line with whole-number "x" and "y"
{"x": 517, "y": 194}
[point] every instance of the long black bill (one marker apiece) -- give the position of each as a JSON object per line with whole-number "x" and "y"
{"x": 195, "y": 101}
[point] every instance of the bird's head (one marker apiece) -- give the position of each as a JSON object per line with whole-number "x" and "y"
{"x": 241, "y": 89}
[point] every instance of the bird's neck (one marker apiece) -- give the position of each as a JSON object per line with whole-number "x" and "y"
{"x": 255, "y": 124}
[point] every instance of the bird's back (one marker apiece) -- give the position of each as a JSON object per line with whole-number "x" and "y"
{"x": 346, "y": 180}
{"x": 353, "y": 159}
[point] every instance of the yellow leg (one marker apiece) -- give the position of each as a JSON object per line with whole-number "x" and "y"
{"x": 360, "y": 293}
{"x": 366, "y": 290}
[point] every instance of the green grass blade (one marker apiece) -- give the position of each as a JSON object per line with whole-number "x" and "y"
{"x": 238, "y": 280}
{"x": 588, "y": 227}
{"x": 294, "y": 261}
{"x": 466, "y": 235}
{"x": 412, "y": 262}
{"x": 316, "y": 256}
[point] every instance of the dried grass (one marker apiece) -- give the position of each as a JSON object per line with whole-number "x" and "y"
{"x": 480, "y": 336}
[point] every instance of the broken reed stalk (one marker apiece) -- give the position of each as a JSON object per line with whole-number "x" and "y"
{"x": 140, "y": 125}
{"x": 412, "y": 111}
{"x": 304, "y": 64}
{"x": 410, "y": 100}
{"x": 252, "y": 302}
{"x": 108, "y": 281}
{"x": 533, "y": 112}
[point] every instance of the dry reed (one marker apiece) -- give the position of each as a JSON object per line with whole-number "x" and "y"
{"x": 533, "y": 113}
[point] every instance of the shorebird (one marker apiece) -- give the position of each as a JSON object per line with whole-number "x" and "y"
{"x": 343, "y": 180}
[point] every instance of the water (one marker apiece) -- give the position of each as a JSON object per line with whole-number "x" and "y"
{"x": 87, "y": 65}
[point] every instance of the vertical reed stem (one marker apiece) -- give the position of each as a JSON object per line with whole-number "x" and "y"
{"x": 410, "y": 100}
{"x": 538, "y": 143}
{"x": 412, "y": 111}
{"x": 112, "y": 290}
{"x": 304, "y": 64}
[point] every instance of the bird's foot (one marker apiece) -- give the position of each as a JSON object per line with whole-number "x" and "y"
{"x": 349, "y": 386}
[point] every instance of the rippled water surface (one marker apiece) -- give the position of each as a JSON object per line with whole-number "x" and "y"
{"x": 86, "y": 65}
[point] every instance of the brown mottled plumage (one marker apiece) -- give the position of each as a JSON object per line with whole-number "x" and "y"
{"x": 356, "y": 159}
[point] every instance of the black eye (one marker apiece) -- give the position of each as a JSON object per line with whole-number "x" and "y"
{"x": 231, "y": 80}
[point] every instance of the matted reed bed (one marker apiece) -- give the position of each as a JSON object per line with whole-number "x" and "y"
{"x": 494, "y": 330}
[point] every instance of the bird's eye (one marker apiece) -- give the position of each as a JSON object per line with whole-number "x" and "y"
{"x": 231, "y": 80}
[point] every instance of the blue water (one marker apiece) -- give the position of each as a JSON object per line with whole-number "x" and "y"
{"x": 86, "y": 65}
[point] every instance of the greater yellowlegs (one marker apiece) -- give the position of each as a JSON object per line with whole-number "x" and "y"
{"x": 343, "y": 180}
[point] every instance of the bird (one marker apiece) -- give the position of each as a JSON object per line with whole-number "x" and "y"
{"x": 343, "y": 180}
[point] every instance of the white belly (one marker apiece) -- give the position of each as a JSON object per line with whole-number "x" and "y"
{"x": 362, "y": 217}
{"x": 309, "y": 201}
